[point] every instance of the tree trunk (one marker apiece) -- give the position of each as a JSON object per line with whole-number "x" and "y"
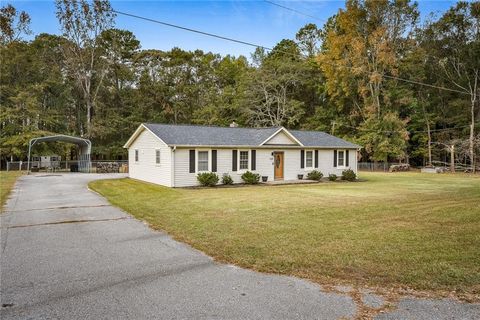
{"x": 472, "y": 135}
{"x": 429, "y": 134}
{"x": 429, "y": 147}
{"x": 89, "y": 116}
{"x": 452, "y": 158}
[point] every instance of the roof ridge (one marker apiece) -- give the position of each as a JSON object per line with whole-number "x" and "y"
{"x": 316, "y": 131}
{"x": 207, "y": 126}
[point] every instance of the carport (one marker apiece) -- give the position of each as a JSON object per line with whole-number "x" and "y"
{"x": 85, "y": 146}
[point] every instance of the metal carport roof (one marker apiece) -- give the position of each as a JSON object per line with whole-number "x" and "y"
{"x": 84, "y": 144}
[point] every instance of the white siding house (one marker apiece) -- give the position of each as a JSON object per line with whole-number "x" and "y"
{"x": 173, "y": 155}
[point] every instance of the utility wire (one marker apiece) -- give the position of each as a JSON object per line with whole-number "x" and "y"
{"x": 192, "y": 30}
{"x": 213, "y": 35}
{"x": 424, "y": 84}
{"x": 294, "y": 10}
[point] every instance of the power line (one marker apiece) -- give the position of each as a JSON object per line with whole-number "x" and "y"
{"x": 192, "y": 30}
{"x": 294, "y": 10}
{"x": 268, "y": 49}
{"x": 424, "y": 84}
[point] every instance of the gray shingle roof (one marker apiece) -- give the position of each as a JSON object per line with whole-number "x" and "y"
{"x": 320, "y": 139}
{"x": 192, "y": 135}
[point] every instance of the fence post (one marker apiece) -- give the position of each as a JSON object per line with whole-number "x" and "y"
{"x": 20, "y": 166}
{"x": 8, "y": 166}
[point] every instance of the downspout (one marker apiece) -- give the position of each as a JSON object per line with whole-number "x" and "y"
{"x": 356, "y": 160}
{"x": 172, "y": 175}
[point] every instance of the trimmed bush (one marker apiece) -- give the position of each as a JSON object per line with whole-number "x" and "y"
{"x": 207, "y": 179}
{"x": 314, "y": 175}
{"x": 227, "y": 179}
{"x": 349, "y": 175}
{"x": 250, "y": 177}
{"x": 332, "y": 177}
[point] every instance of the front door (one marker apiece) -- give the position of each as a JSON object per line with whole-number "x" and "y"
{"x": 278, "y": 164}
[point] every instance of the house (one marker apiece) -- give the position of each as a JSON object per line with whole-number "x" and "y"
{"x": 173, "y": 155}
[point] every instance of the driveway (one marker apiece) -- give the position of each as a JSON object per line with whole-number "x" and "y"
{"x": 66, "y": 253}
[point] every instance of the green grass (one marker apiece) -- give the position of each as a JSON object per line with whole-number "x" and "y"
{"x": 7, "y": 180}
{"x": 420, "y": 231}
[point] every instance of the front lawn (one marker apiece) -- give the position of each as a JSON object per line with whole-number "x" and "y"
{"x": 420, "y": 231}
{"x": 7, "y": 180}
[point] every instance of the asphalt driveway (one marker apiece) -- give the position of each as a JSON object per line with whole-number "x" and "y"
{"x": 67, "y": 254}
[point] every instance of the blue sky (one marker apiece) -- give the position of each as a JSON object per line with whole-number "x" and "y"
{"x": 253, "y": 21}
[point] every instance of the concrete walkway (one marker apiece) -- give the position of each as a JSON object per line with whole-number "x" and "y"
{"x": 67, "y": 254}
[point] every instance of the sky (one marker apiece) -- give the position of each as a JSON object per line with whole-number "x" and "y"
{"x": 257, "y": 22}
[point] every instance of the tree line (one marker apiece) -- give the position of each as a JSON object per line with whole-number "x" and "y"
{"x": 374, "y": 73}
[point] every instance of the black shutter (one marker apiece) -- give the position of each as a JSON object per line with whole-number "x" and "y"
{"x": 214, "y": 160}
{"x": 254, "y": 160}
{"x": 316, "y": 158}
{"x": 234, "y": 160}
{"x": 302, "y": 159}
{"x": 346, "y": 158}
{"x": 192, "y": 161}
{"x": 334, "y": 158}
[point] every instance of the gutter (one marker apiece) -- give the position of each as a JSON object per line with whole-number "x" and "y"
{"x": 272, "y": 146}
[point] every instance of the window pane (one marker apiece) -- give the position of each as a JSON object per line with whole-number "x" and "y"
{"x": 203, "y": 161}
{"x": 243, "y": 160}
{"x": 341, "y": 158}
{"x": 309, "y": 159}
{"x": 136, "y": 155}
{"x": 157, "y": 156}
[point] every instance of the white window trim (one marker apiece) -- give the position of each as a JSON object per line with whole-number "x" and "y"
{"x": 249, "y": 165}
{"x": 159, "y": 163}
{"x": 305, "y": 160}
{"x": 209, "y": 160}
{"x": 344, "y": 159}
{"x": 136, "y": 155}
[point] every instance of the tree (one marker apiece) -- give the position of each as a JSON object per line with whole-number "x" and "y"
{"x": 364, "y": 47}
{"x": 308, "y": 40}
{"x": 13, "y": 24}
{"x": 455, "y": 42}
{"x": 82, "y": 23}
{"x": 384, "y": 138}
{"x": 273, "y": 87}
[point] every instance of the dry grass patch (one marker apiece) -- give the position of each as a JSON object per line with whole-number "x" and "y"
{"x": 406, "y": 230}
{"x": 7, "y": 181}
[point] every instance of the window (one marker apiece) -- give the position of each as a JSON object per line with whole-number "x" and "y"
{"x": 157, "y": 156}
{"x": 243, "y": 160}
{"x": 308, "y": 159}
{"x": 136, "y": 155}
{"x": 202, "y": 161}
{"x": 341, "y": 158}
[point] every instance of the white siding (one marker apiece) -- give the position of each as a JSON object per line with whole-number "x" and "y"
{"x": 325, "y": 162}
{"x": 146, "y": 168}
{"x": 264, "y": 164}
{"x": 281, "y": 138}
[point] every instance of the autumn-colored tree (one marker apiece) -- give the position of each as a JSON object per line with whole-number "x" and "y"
{"x": 13, "y": 24}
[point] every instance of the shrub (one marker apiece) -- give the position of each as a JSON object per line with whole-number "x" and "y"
{"x": 314, "y": 175}
{"x": 250, "y": 177}
{"x": 207, "y": 179}
{"x": 332, "y": 177}
{"x": 227, "y": 179}
{"x": 349, "y": 175}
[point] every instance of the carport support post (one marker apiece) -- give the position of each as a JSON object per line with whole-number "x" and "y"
{"x": 28, "y": 160}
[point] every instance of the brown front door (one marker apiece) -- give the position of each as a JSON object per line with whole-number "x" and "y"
{"x": 278, "y": 164}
